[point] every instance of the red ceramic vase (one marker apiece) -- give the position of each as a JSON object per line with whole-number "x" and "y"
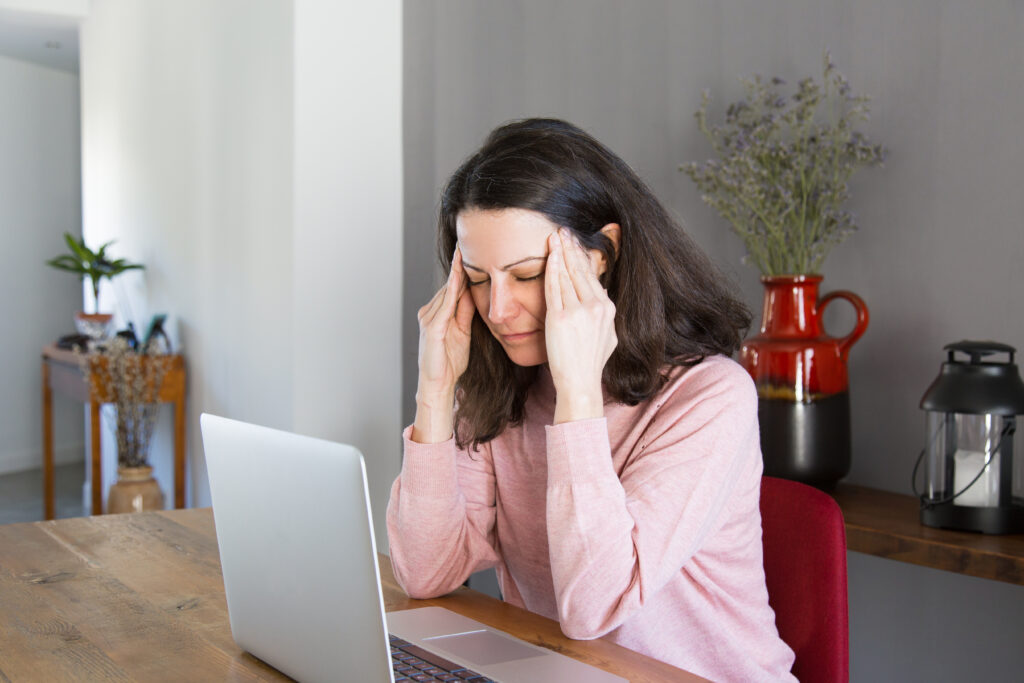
{"x": 802, "y": 383}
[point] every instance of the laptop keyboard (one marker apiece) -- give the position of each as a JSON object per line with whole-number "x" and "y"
{"x": 413, "y": 663}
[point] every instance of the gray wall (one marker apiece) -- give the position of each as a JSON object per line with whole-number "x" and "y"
{"x": 937, "y": 259}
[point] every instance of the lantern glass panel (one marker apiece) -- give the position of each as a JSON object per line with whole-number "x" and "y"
{"x": 938, "y": 466}
{"x": 976, "y": 459}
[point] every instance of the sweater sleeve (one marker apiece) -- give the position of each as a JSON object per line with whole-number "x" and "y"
{"x": 617, "y": 538}
{"x": 440, "y": 517}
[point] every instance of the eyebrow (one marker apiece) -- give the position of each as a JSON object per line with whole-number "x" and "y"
{"x": 511, "y": 265}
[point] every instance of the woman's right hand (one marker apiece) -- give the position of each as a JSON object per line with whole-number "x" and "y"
{"x": 445, "y": 325}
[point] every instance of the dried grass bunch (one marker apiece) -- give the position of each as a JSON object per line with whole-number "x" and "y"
{"x": 783, "y": 167}
{"x": 131, "y": 381}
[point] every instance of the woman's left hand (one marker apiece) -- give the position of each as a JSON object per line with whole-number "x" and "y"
{"x": 579, "y": 329}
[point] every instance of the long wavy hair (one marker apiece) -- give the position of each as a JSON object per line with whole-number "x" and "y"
{"x": 672, "y": 307}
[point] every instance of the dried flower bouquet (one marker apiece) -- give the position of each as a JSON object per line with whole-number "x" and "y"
{"x": 131, "y": 381}
{"x": 783, "y": 166}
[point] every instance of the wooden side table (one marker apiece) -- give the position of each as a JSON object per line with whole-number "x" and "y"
{"x": 62, "y": 372}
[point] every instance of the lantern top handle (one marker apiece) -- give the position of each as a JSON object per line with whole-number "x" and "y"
{"x": 978, "y": 350}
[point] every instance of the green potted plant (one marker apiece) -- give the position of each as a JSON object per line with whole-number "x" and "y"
{"x": 95, "y": 265}
{"x": 780, "y": 178}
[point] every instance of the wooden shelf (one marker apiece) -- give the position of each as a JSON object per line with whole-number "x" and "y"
{"x": 888, "y": 525}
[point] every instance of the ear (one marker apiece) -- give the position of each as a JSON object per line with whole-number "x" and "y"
{"x": 597, "y": 260}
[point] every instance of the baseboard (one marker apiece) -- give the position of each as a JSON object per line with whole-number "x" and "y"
{"x": 19, "y": 461}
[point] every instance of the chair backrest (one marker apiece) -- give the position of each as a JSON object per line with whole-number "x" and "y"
{"x": 804, "y": 542}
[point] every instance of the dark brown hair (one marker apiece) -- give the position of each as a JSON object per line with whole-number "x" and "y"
{"x": 672, "y": 308}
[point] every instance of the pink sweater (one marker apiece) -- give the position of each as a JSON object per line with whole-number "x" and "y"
{"x": 643, "y": 525}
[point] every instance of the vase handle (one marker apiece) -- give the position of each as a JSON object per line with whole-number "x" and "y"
{"x": 862, "y": 317}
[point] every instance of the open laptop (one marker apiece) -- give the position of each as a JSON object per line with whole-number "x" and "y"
{"x": 300, "y": 573}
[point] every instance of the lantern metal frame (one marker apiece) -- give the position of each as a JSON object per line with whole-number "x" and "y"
{"x": 970, "y": 390}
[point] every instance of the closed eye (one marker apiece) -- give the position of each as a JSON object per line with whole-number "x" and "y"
{"x": 518, "y": 278}
{"x": 533, "y": 277}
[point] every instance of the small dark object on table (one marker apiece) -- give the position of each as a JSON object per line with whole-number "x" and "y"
{"x": 71, "y": 341}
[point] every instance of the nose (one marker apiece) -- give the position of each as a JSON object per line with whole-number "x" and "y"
{"x": 503, "y": 305}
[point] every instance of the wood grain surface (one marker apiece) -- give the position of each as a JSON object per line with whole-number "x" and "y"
{"x": 888, "y": 525}
{"x": 140, "y": 597}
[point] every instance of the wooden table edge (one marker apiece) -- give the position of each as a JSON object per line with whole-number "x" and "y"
{"x": 886, "y": 524}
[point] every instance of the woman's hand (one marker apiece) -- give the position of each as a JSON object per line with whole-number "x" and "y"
{"x": 445, "y": 325}
{"x": 579, "y": 329}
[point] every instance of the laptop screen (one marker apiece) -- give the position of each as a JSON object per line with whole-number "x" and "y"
{"x": 297, "y": 551}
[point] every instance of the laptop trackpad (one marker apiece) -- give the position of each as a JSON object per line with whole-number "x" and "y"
{"x": 482, "y": 647}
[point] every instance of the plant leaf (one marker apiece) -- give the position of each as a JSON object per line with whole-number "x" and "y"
{"x": 67, "y": 263}
{"x": 79, "y": 250}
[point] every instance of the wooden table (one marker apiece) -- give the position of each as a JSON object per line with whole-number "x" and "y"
{"x": 140, "y": 597}
{"x": 889, "y": 525}
{"x": 62, "y": 372}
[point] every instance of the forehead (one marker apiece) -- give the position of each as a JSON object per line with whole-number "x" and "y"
{"x": 495, "y": 238}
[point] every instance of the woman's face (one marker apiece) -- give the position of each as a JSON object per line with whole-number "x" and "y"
{"x": 504, "y": 254}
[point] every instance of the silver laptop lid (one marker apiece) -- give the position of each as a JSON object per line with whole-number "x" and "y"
{"x": 278, "y": 499}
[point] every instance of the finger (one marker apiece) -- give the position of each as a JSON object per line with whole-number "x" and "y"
{"x": 460, "y": 271}
{"x": 455, "y": 286}
{"x": 465, "y": 307}
{"x": 552, "y": 290}
{"x": 429, "y": 309}
{"x": 566, "y": 288}
{"x": 579, "y": 267}
{"x": 444, "y": 301}
{"x": 464, "y": 310}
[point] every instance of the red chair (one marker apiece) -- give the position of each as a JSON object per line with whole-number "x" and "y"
{"x": 804, "y": 542}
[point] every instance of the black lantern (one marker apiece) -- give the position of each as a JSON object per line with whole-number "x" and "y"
{"x": 974, "y": 476}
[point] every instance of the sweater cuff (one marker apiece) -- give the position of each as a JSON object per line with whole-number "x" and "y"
{"x": 579, "y": 451}
{"x": 428, "y": 468}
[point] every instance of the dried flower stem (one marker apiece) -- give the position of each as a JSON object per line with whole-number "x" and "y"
{"x": 131, "y": 381}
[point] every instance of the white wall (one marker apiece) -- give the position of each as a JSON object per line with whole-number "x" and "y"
{"x": 938, "y": 257}
{"x": 220, "y": 149}
{"x": 39, "y": 201}
{"x": 186, "y": 162}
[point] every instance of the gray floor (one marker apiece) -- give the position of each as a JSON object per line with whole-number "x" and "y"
{"x": 21, "y": 494}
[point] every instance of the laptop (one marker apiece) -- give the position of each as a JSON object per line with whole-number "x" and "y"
{"x": 300, "y": 573}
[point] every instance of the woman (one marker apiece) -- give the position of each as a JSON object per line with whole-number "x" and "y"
{"x": 579, "y": 425}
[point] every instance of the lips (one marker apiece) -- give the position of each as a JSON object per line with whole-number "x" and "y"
{"x": 519, "y": 336}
